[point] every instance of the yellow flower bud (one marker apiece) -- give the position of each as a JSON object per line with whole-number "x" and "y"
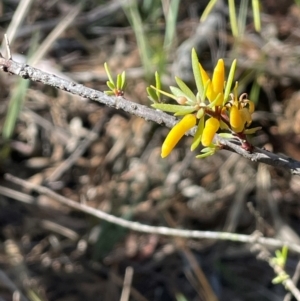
{"x": 218, "y": 77}
{"x": 211, "y": 126}
{"x": 236, "y": 121}
{"x": 176, "y": 133}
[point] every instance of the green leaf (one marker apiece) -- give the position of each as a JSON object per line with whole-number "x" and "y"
{"x": 168, "y": 107}
{"x": 152, "y": 94}
{"x": 205, "y": 155}
{"x": 108, "y": 74}
{"x": 110, "y": 93}
{"x": 110, "y": 85}
{"x": 119, "y": 82}
{"x": 252, "y": 131}
{"x": 123, "y": 80}
{"x": 206, "y": 149}
{"x": 284, "y": 253}
{"x": 185, "y": 89}
{"x": 178, "y": 93}
{"x": 229, "y": 81}
{"x": 157, "y": 84}
{"x": 185, "y": 110}
{"x": 226, "y": 135}
{"x": 198, "y": 135}
{"x": 164, "y": 93}
{"x": 196, "y": 71}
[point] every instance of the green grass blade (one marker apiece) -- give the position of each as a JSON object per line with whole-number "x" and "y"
{"x": 14, "y": 108}
{"x": 135, "y": 19}
{"x": 256, "y": 14}
{"x": 233, "y": 19}
{"x": 208, "y": 9}
{"x": 242, "y": 17}
{"x": 171, "y": 24}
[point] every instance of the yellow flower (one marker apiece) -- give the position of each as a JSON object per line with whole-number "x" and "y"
{"x": 176, "y": 133}
{"x": 216, "y": 85}
{"x": 236, "y": 119}
{"x": 211, "y": 126}
{"x": 240, "y": 111}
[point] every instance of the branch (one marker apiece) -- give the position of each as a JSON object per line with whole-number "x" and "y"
{"x": 136, "y": 226}
{"x": 27, "y": 72}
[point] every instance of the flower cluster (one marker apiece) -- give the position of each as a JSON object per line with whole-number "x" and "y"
{"x": 213, "y": 108}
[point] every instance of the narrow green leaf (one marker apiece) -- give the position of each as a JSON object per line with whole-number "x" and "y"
{"x": 229, "y": 80}
{"x": 110, "y": 85}
{"x": 185, "y": 110}
{"x": 164, "y": 93}
{"x": 108, "y": 74}
{"x": 152, "y": 94}
{"x": 196, "y": 71}
{"x": 284, "y": 253}
{"x": 185, "y": 89}
{"x": 119, "y": 82}
{"x": 252, "y": 131}
{"x": 198, "y": 135}
{"x": 226, "y": 135}
{"x": 123, "y": 80}
{"x": 157, "y": 84}
{"x": 206, "y": 149}
{"x": 205, "y": 155}
{"x": 110, "y": 93}
{"x": 169, "y": 108}
{"x": 178, "y": 93}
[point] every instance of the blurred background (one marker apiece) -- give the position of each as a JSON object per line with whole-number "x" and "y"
{"x": 111, "y": 161}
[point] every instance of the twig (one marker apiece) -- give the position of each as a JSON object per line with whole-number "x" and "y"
{"x": 286, "y": 281}
{"x": 127, "y": 284}
{"x": 34, "y": 74}
{"x": 135, "y": 226}
{"x": 295, "y": 279}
